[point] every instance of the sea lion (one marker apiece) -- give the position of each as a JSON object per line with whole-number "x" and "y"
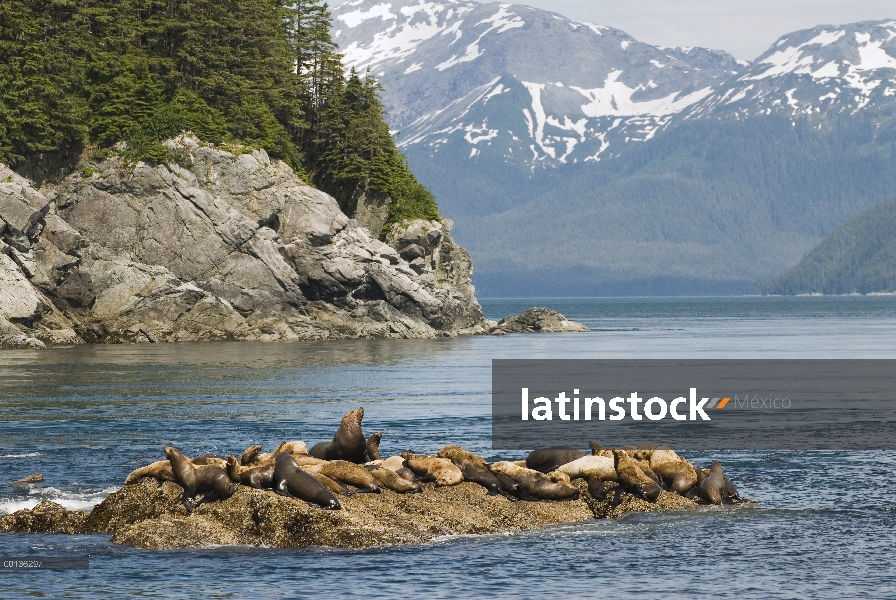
{"x": 253, "y": 454}
{"x": 510, "y": 487}
{"x": 535, "y": 485}
{"x": 330, "y": 484}
{"x": 250, "y": 455}
{"x": 715, "y": 488}
{"x": 677, "y": 473}
{"x": 397, "y": 464}
{"x": 209, "y": 460}
{"x": 597, "y": 487}
{"x": 210, "y": 480}
{"x": 432, "y": 468}
{"x": 306, "y": 460}
{"x": 473, "y": 467}
{"x": 160, "y": 469}
{"x": 260, "y": 477}
{"x": 545, "y": 460}
{"x": 590, "y": 466}
{"x": 393, "y": 481}
{"x": 292, "y": 481}
{"x": 632, "y": 479}
{"x": 347, "y": 473}
{"x": 348, "y": 443}
{"x": 28, "y": 480}
{"x": 373, "y": 446}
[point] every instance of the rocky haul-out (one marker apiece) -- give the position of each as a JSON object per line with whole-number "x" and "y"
{"x": 291, "y": 499}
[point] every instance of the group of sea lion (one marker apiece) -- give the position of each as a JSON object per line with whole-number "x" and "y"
{"x": 351, "y": 463}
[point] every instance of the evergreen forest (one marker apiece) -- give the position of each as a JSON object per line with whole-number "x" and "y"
{"x": 122, "y": 76}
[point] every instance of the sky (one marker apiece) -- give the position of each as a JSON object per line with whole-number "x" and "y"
{"x": 745, "y": 28}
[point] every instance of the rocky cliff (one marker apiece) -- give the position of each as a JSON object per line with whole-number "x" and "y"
{"x": 221, "y": 245}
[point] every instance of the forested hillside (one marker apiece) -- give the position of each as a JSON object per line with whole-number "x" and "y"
{"x": 124, "y": 75}
{"x": 857, "y": 257}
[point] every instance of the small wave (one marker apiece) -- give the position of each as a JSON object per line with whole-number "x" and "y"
{"x": 28, "y": 455}
{"x": 68, "y": 499}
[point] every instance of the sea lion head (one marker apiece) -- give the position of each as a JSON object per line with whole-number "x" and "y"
{"x": 595, "y": 448}
{"x": 332, "y": 504}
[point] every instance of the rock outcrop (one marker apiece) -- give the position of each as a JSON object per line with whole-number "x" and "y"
{"x": 144, "y": 515}
{"x": 538, "y": 320}
{"x": 223, "y": 246}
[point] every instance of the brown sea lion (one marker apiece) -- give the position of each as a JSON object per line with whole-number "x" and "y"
{"x": 677, "y": 473}
{"x": 510, "y": 487}
{"x": 291, "y": 481}
{"x": 535, "y": 485}
{"x": 473, "y": 467}
{"x": 393, "y": 481}
{"x": 716, "y": 488}
{"x": 373, "y": 446}
{"x": 597, "y": 487}
{"x": 306, "y": 460}
{"x": 632, "y": 479}
{"x": 210, "y": 480}
{"x": 250, "y": 455}
{"x": 258, "y": 477}
{"x": 331, "y": 485}
{"x": 545, "y": 460}
{"x": 432, "y": 468}
{"x": 348, "y": 443}
{"x": 347, "y": 473}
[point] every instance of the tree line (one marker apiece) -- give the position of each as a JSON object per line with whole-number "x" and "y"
{"x": 89, "y": 74}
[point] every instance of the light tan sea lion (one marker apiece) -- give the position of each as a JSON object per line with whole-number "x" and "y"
{"x": 677, "y": 473}
{"x": 535, "y": 485}
{"x": 632, "y": 479}
{"x": 432, "y": 468}
{"x": 600, "y": 467}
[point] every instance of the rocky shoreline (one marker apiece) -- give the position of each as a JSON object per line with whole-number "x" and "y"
{"x": 141, "y": 515}
{"x": 224, "y": 244}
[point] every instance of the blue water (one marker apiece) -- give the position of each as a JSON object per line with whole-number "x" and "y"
{"x": 86, "y": 416}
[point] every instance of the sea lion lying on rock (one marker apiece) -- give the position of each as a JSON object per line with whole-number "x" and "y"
{"x": 161, "y": 469}
{"x": 347, "y": 473}
{"x": 432, "y": 468}
{"x": 600, "y": 467}
{"x": 391, "y": 480}
{"x": 348, "y": 444}
{"x": 473, "y": 467}
{"x": 632, "y": 479}
{"x": 397, "y": 464}
{"x": 254, "y": 456}
{"x": 210, "y": 480}
{"x": 676, "y": 473}
{"x": 291, "y": 481}
{"x": 545, "y": 460}
{"x": 260, "y": 477}
{"x": 535, "y": 485}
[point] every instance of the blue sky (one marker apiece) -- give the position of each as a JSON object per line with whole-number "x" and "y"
{"x": 745, "y": 28}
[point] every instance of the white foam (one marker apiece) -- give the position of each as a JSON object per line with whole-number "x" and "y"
{"x": 27, "y": 455}
{"x": 68, "y": 499}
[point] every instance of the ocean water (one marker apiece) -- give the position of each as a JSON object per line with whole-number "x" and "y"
{"x": 86, "y": 416}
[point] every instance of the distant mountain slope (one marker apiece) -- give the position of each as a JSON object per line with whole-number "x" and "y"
{"x": 649, "y": 170}
{"x": 526, "y": 85}
{"x": 857, "y": 257}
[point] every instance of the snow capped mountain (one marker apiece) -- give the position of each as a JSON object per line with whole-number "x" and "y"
{"x": 523, "y": 85}
{"x": 822, "y": 71}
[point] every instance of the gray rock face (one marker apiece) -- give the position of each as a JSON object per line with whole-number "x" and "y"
{"x": 235, "y": 246}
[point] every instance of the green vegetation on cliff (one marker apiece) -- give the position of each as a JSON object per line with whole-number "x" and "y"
{"x": 265, "y": 73}
{"x": 857, "y": 257}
